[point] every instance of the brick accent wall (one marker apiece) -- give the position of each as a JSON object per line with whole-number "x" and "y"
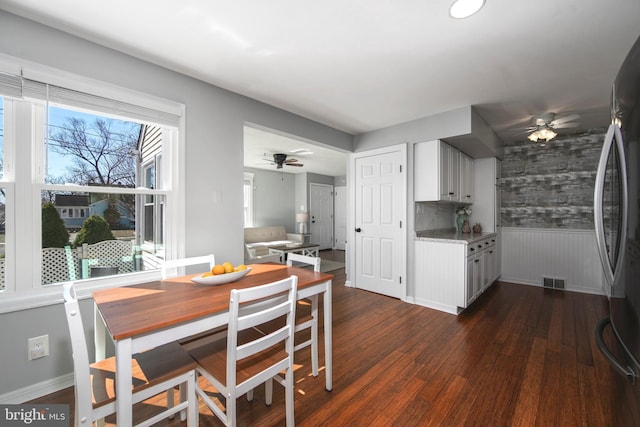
{"x": 551, "y": 186}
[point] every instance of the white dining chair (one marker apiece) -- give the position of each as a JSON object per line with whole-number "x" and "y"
{"x": 153, "y": 372}
{"x": 247, "y": 358}
{"x": 171, "y": 267}
{"x": 307, "y": 311}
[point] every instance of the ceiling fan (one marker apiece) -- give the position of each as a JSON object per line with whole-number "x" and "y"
{"x": 544, "y": 126}
{"x": 280, "y": 160}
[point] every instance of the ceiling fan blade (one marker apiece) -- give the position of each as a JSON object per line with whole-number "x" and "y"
{"x": 299, "y": 165}
{"x": 291, "y": 160}
{"x": 564, "y": 119}
{"x": 565, "y": 125}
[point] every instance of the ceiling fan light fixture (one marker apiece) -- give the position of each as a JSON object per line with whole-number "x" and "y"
{"x": 542, "y": 132}
{"x": 464, "y": 8}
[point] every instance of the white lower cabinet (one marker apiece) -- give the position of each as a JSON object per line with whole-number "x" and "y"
{"x": 450, "y": 275}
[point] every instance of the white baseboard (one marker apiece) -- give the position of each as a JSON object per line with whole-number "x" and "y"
{"x": 35, "y": 391}
{"x": 569, "y": 288}
{"x": 437, "y": 306}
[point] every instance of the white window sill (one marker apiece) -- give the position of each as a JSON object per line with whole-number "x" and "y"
{"x": 52, "y": 294}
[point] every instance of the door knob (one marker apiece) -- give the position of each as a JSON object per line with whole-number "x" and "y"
{"x": 358, "y": 230}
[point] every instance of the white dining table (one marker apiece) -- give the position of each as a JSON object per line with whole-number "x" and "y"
{"x": 146, "y": 315}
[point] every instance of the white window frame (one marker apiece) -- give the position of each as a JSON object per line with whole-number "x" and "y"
{"x": 23, "y": 288}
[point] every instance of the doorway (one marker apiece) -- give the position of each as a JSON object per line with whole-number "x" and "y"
{"x": 321, "y": 214}
{"x": 340, "y": 218}
{"x": 379, "y": 235}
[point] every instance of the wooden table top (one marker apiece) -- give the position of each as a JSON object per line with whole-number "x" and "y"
{"x": 137, "y": 309}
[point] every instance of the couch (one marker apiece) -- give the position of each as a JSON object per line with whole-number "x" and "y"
{"x": 258, "y": 239}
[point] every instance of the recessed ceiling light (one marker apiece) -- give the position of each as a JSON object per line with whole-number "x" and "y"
{"x": 464, "y": 8}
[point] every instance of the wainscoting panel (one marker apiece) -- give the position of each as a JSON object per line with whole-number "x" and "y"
{"x": 529, "y": 254}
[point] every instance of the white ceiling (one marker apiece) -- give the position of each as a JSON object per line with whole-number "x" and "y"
{"x": 260, "y": 145}
{"x": 360, "y": 65}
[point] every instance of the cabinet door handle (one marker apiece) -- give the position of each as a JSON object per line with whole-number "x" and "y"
{"x": 477, "y": 260}
{"x": 471, "y": 249}
{"x": 451, "y": 193}
{"x": 490, "y": 252}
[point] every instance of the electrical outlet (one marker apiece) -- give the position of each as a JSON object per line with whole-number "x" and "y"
{"x": 38, "y": 347}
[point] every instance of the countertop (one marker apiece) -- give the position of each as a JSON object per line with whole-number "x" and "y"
{"x": 451, "y": 236}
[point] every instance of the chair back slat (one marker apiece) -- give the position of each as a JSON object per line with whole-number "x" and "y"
{"x": 265, "y": 314}
{"x": 170, "y": 267}
{"x": 261, "y": 344}
{"x": 304, "y": 259}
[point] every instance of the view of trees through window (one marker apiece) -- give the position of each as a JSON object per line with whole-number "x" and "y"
{"x": 90, "y": 150}
{"x": 96, "y": 230}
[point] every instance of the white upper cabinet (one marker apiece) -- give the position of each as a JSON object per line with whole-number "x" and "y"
{"x": 466, "y": 179}
{"x": 486, "y": 209}
{"x": 437, "y": 173}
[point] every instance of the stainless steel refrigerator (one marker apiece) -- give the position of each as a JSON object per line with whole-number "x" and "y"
{"x": 617, "y": 224}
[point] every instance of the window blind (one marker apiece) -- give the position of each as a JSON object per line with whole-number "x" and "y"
{"x": 10, "y": 85}
{"x": 35, "y": 90}
{"x": 15, "y": 86}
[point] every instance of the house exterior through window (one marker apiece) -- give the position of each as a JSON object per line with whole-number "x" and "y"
{"x": 103, "y": 164}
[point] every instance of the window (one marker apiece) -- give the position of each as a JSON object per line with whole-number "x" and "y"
{"x": 95, "y": 175}
{"x": 248, "y": 199}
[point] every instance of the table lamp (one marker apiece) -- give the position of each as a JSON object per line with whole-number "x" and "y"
{"x": 302, "y": 218}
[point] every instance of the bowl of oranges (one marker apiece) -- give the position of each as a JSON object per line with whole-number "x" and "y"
{"x": 222, "y": 273}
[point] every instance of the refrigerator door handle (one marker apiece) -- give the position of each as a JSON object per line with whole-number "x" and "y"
{"x": 614, "y": 136}
{"x": 598, "y": 197}
{"x": 619, "y": 366}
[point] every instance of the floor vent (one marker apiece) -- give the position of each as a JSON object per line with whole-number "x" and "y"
{"x": 553, "y": 282}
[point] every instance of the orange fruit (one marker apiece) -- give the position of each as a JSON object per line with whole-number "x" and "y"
{"x": 228, "y": 267}
{"x": 241, "y": 267}
{"x": 218, "y": 269}
{"x": 207, "y": 274}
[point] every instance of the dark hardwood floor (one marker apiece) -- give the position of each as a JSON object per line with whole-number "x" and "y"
{"x": 520, "y": 356}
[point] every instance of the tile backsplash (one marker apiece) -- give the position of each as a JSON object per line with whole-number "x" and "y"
{"x": 434, "y": 216}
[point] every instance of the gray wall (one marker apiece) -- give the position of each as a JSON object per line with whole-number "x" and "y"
{"x": 214, "y": 126}
{"x": 551, "y": 186}
{"x": 273, "y": 198}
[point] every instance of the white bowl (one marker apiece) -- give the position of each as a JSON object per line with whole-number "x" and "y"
{"x": 220, "y": 279}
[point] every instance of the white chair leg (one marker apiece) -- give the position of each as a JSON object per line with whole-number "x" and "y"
{"x": 231, "y": 409}
{"x": 268, "y": 391}
{"x": 314, "y": 336}
{"x": 183, "y": 398}
{"x": 250, "y": 395}
{"x": 289, "y": 394}
{"x": 192, "y": 408}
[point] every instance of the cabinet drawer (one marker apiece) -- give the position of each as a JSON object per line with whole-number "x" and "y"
{"x": 480, "y": 245}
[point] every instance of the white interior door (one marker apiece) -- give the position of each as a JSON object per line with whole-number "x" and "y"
{"x": 379, "y": 212}
{"x": 340, "y": 219}
{"x": 321, "y": 215}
